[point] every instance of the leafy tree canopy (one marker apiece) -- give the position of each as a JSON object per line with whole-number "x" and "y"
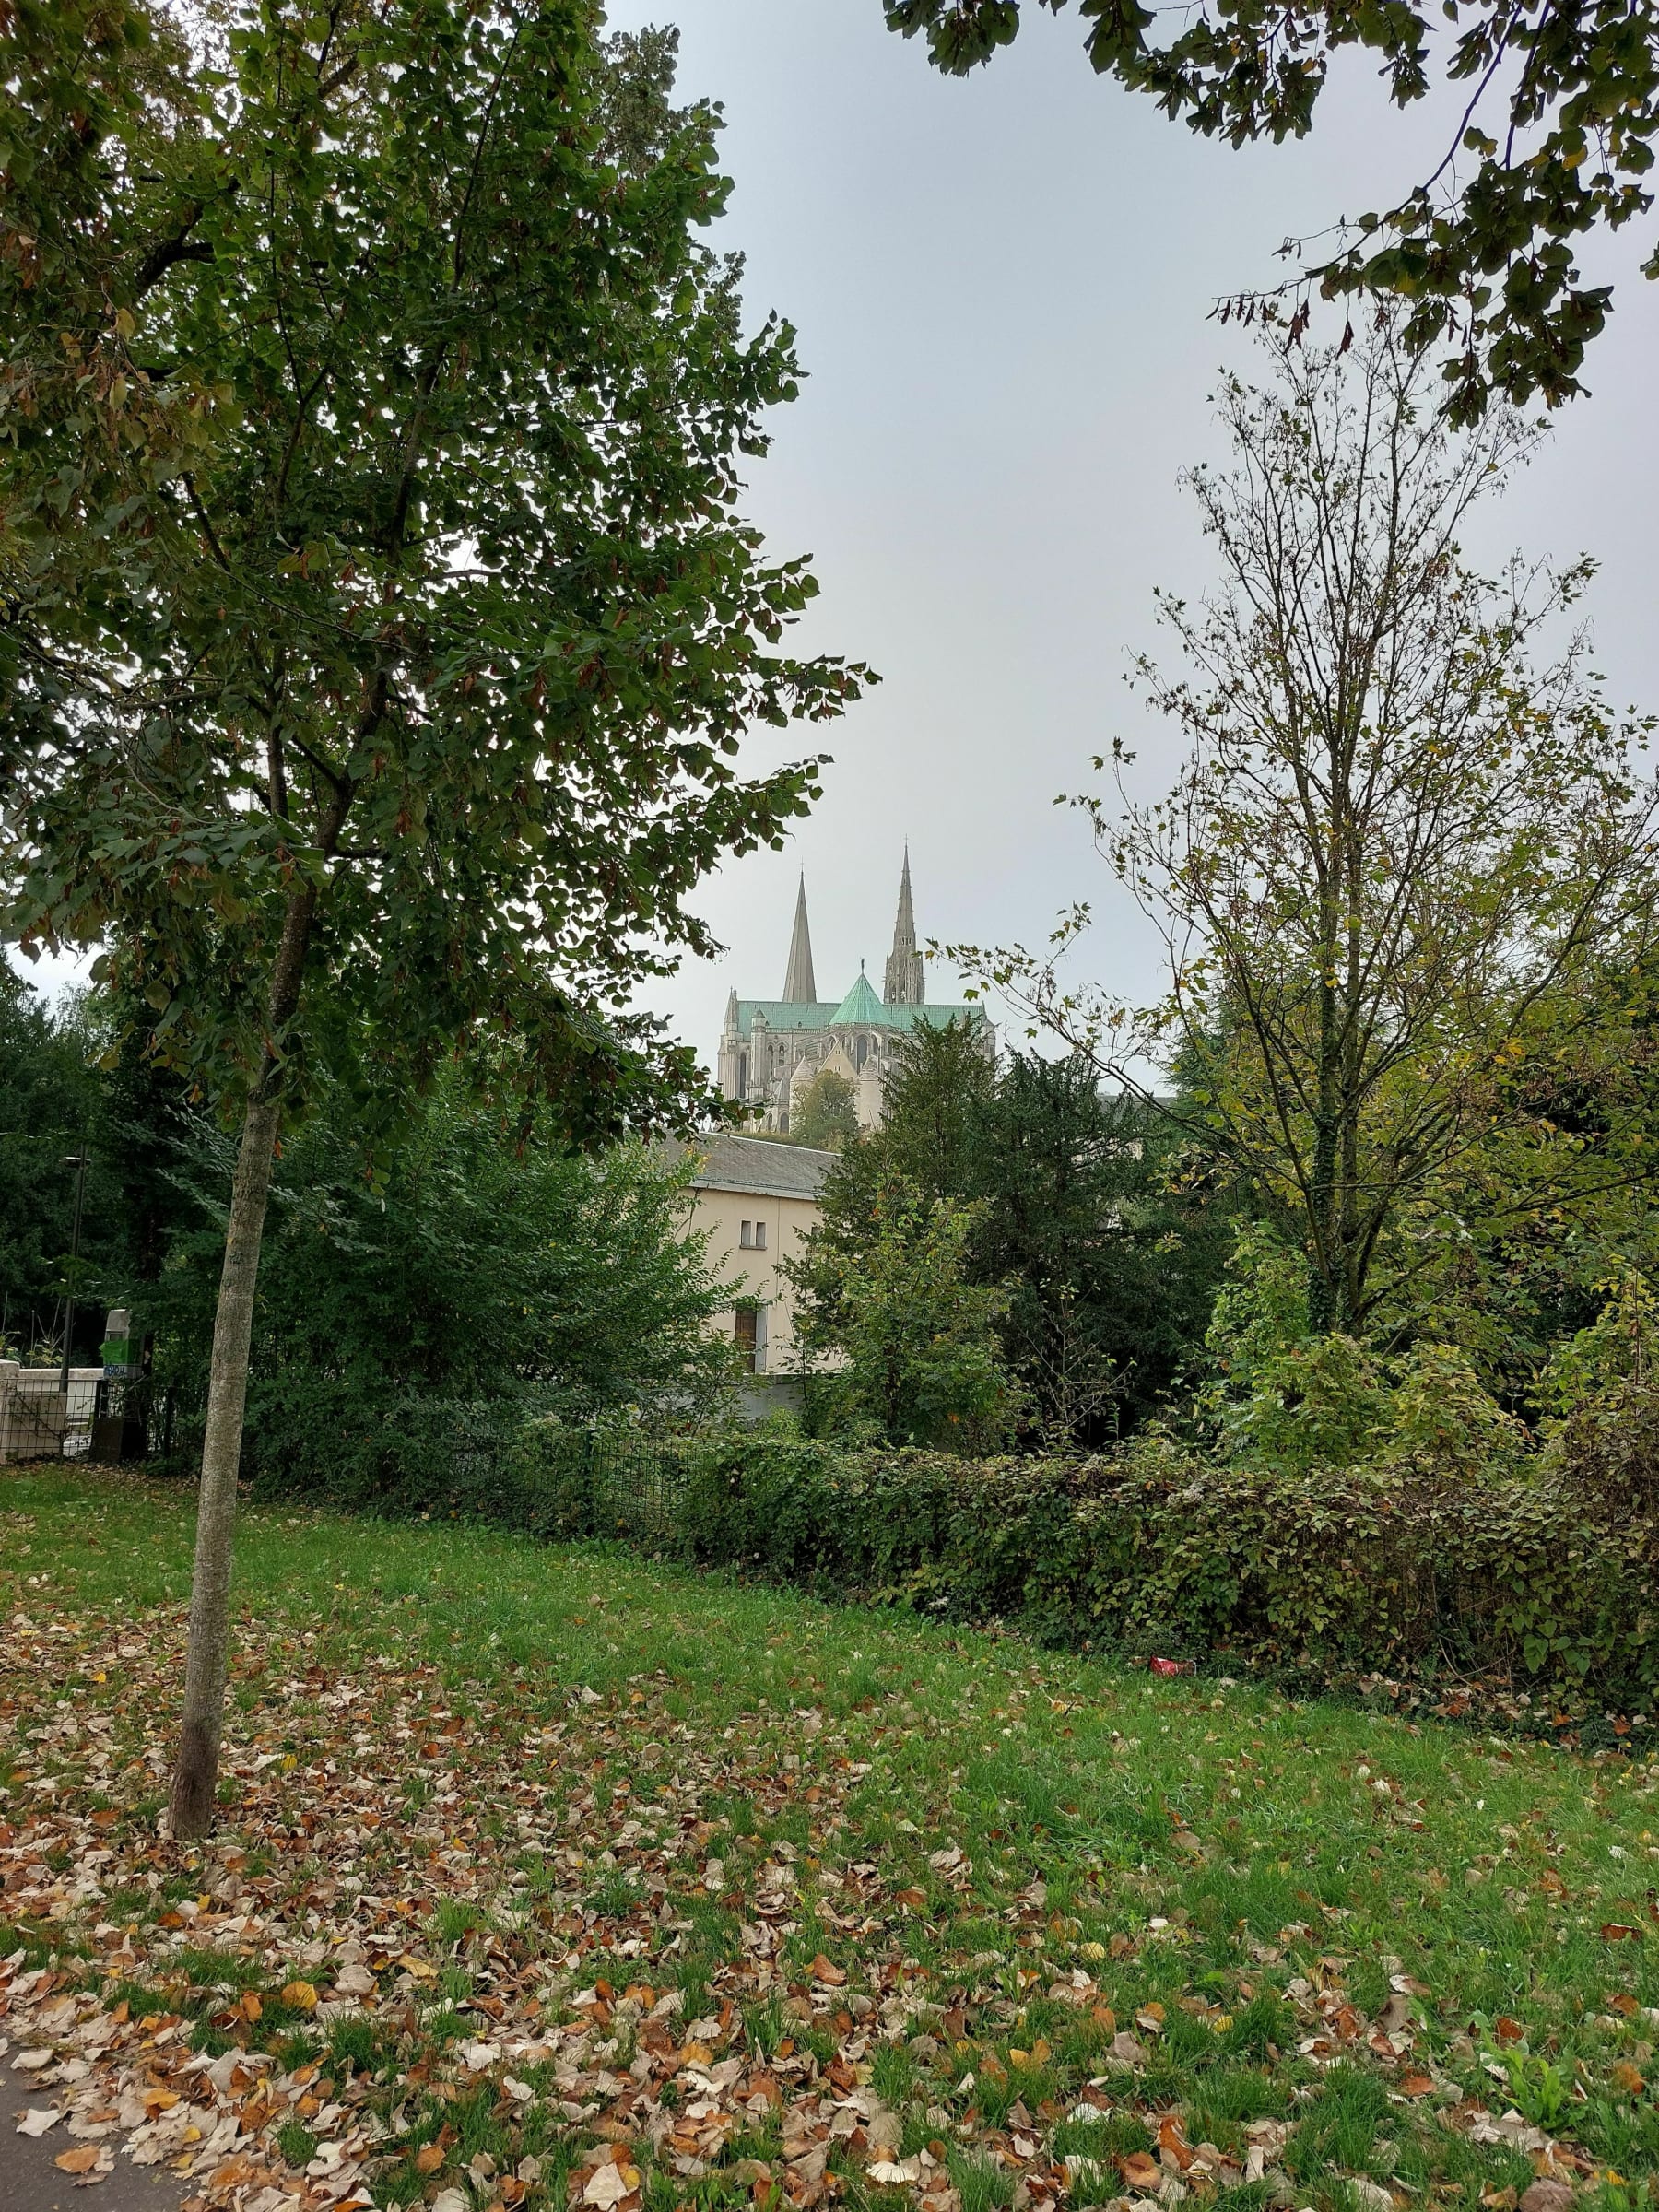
{"x": 1558, "y": 109}
{"x": 1405, "y": 862}
{"x": 922, "y": 1363}
{"x": 379, "y": 627}
{"x": 1103, "y": 1266}
{"x": 492, "y": 1262}
{"x": 48, "y": 1099}
{"x": 824, "y": 1111}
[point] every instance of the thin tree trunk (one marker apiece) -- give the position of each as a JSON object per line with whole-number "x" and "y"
{"x": 196, "y": 1774}
{"x": 196, "y": 1771}
{"x": 1324, "y": 1259}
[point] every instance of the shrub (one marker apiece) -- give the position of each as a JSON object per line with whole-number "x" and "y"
{"x": 1286, "y": 1398}
{"x": 1605, "y": 1453}
{"x": 1396, "y": 1569}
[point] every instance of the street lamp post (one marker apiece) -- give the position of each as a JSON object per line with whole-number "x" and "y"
{"x": 78, "y": 1160}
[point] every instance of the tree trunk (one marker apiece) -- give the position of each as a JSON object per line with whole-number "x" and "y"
{"x": 196, "y": 1774}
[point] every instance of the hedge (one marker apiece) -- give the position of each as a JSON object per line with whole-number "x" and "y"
{"x": 1153, "y": 1552}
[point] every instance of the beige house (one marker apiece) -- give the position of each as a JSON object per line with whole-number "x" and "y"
{"x": 757, "y": 1200}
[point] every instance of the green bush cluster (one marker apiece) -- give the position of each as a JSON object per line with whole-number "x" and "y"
{"x": 1400, "y": 1569}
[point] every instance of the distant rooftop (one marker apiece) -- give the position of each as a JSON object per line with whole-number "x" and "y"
{"x": 759, "y": 1165}
{"x": 860, "y": 1009}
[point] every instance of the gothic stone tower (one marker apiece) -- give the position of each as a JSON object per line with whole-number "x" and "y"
{"x": 905, "y": 986}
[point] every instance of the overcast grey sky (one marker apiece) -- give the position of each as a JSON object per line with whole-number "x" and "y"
{"x": 1001, "y": 287}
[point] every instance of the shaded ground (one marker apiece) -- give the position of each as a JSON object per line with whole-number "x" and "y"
{"x": 31, "y": 2180}
{"x": 547, "y": 1878}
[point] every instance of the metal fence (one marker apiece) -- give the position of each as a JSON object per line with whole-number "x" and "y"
{"x": 636, "y": 1481}
{"x": 93, "y": 1419}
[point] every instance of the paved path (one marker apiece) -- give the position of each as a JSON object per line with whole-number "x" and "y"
{"x": 30, "y": 2181}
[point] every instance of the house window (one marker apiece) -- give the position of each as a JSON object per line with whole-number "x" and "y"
{"x": 746, "y": 1236}
{"x": 748, "y": 1335}
{"x": 760, "y": 1236}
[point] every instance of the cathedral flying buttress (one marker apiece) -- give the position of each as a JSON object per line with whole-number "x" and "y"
{"x": 772, "y": 1046}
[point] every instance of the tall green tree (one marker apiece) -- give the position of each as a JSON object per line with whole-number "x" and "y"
{"x": 50, "y": 1106}
{"x": 380, "y": 626}
{"x": 1104, "y": 1252}
{"x": 1557, "y": 113}
{"x": 1400, "y": 853}
{"x": 1110, "y": 1248}
{"x": 824, "y": 1111}
{"x": 916, "y": 1339}
{"x": 65, "y": 1085}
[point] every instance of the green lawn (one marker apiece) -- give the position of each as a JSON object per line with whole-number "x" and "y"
{"x": 769, "y": 1901}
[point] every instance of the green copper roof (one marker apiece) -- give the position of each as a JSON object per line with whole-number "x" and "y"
{"x": 871, "y": 1013}
{"x": 860, "y": 1008}
{"x": 782, "y": 1014}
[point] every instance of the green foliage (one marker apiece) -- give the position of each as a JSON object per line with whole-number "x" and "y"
{"x": 54, "y": 1099}
{"x": 1399, "y": 1571}
{"x": 1401, "y": 863}
{"x": 1621, "y": 1346}
{"x": 824, "y": 1111}
{"x": 1286, "y": 1398}
{"x": 1105, "y": 1266}
{"x": 489, "y": 1263}
{"x": 1109, "y": 1261}
{"x": 1556, "y": 143}
{"x": 380, "y": 630}
{"x": 921, "y": 1360}
{"x": 48, "y": 1099}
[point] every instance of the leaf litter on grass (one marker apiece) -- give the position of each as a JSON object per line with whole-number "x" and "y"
{"x": 515, "y": 1943}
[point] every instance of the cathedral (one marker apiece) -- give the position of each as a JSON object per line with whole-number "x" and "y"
{"x": 770, "y": 1045}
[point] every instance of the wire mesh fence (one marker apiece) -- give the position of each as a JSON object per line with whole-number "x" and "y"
{"x": 85, "y": 1415}
{"x": 598, "y": 1481}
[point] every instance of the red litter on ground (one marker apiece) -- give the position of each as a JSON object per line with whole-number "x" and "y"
{"x": 1174, "y": 1666}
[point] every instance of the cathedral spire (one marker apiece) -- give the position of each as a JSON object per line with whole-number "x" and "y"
{"x": 905, "y": 984}
{"x": 799, "y": 989}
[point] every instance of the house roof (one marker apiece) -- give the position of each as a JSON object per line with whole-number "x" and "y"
{"x": 757, "y": 1165}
